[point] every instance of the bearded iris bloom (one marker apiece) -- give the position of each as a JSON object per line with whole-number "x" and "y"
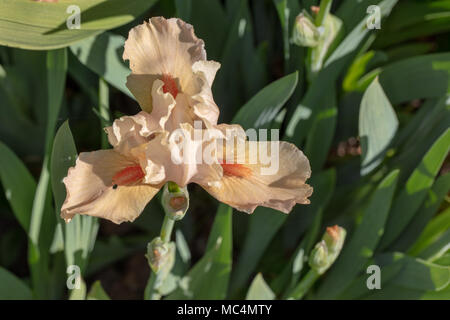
{"x": 171, "y": 80}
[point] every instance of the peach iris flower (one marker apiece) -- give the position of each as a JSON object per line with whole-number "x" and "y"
{"x": 171, "y": 79}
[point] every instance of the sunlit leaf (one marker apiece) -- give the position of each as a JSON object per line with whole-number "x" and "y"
{"x": 377, "y": 126}
{"x": 262, "y": 109}
{"x": 103, "y": 55}
{"x": 259, "y": 290}
{"x": 414, "y": 192}
{"x": 48, "y": 26}
{"x": 81, "y": 231}
{"x": 418, "y": 77}
{"x": 362, "y": 242}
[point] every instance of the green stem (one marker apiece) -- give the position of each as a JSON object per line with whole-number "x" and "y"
{"x": 325, "y": 6}
{"x": 103, "y": 109}
{"x": 324, "y": 10}
{"x": 165, "y": 235}
{"x": 166, "y": 229}
{"x": 305, "y": 284}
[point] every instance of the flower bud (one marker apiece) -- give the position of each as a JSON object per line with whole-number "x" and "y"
{"x": 319, "y": 256}
{"x": 160, "y": 255}
{"x": 175, "y": 201}
{"x": 334, "y": 238}
{"x": 305, "y": 33}
{"x": 327, "y": 250}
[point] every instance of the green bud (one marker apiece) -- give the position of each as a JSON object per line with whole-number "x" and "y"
{"x": 334, "y": 238}
{"x": 175, "y": 201}
{"x": 305, "y": 33}
{"x": 327, "y": 250}
{"x": 160, "y": 255}
{"x": 319, "y": 256}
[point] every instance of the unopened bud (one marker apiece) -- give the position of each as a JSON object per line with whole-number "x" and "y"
{"x": 334, "y": 238}
{"x": 160, "y": 255}
{"x": 327, "y": 250}
{"x": 319, "y": 256}
{"x": 175, "y": 201}
{"x": 305, "y": 33}
{"x": 315, "y": 9}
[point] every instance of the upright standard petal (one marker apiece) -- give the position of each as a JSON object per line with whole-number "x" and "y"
{"x": 271, "y": 174}
{"x": 168, "y": 50}
{"x": 108, "y": 185}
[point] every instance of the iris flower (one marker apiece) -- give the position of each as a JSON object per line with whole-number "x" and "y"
{"x": 171, "y": 80}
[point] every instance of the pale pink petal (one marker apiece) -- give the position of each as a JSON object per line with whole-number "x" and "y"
{"x": 252, "y": 179}
{"x": 206, "y": 69}
{"x": 203, "y": 102}
{"x": 129, "y": 132}
{"x": 169, "y": 48}
{"x": 162, "y": 47}
{"x": 177, "y": 156}
{"x": 163, "y": 104}
{"x": 90, "y": 189}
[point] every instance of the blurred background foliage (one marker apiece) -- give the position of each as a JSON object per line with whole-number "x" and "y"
{"x": 370, "y": 109}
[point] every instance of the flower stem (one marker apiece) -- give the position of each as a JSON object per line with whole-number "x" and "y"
{"x": 166, "y": 229}
{"x": 304, "y": 285}
{"x": 103, "y": 109}
{"x": 312, "y": 69}
{"x": 151, "y": 292}
{"x": 325, "y": 6}
{"x": 161, "y": 251}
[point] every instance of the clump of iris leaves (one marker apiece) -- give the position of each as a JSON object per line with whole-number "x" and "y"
{"x": 372, "y": 118}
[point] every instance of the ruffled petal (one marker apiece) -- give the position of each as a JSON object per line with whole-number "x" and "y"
{"x": 177, "y": 156}
{"x": 162, "y": 47}
{"x": 90, "y": 189}
{"x": 129, "y": 132}
{"x": 203, "y": 102}
{"x": 206, "y": 69}
{"x": 271, "y": 174}
{"x": 168, "y": 49}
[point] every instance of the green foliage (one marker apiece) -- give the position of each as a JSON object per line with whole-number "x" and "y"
{"x": 265, "y": 106}
{"x": 12, "y": 287}
{"x": 18, "y": 185}
{"x": 80, "y": 233}
{"x": 97, "y": 292}
{"x": 377, "y": 126}
{"x": 412, "y": 195}
{"x": 103, "y": 55}
{"x": 361, "y": 246}
{"x": 47, "y": 28}
{"x": 369, "y": 108}
{"x": 259, "y": 290}
{"x": 209, "y": 278}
